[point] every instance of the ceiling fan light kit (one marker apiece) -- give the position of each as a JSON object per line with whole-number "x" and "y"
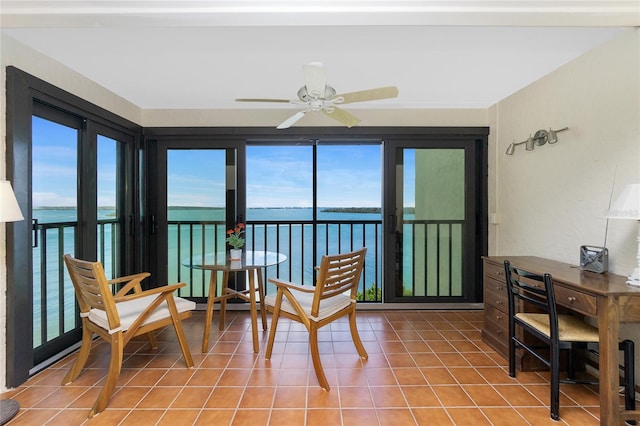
{"x": 539, "y": 138}
{"x": 317, "y": 96}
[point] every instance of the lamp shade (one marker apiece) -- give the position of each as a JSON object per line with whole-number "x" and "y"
{"x": 627, "y": 205}
{"x": 9, "y": 209}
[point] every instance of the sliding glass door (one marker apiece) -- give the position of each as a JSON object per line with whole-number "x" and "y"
{"x": 193, "y": 202}
{"x": 54, "y": 170}
{"x": 431, "y": 229}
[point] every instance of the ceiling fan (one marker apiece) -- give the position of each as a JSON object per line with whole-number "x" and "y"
{"x": 316, "y": 95}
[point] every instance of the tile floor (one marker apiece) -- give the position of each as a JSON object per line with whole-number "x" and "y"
{"x": 424, "y": 368}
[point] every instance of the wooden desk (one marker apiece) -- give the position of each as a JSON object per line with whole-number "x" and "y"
{"x": 605, "y": 297}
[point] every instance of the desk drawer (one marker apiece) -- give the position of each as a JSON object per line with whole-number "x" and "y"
{"x": 494, "y": 270}
{"x": 496, "y": 322}
{"x": 495, "y": 293}
{"x": 576, "y": 301}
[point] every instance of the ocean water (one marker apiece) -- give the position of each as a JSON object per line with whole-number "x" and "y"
{"x": 294, "y": 241}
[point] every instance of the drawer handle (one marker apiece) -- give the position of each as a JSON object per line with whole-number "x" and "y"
{"x": 499, "y": 331}
{"x": 571, "y": 299}
{"x": 499, "y": 287}
{"x": 498, "y": 317}
{"x": 499, "y": 273}
{"x": 499, "y": 302}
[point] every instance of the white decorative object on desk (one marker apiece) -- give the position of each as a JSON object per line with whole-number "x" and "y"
{"x": 627, "y": 206}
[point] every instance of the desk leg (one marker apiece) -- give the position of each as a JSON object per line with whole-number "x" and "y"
{"x": 263, "y": 308}
{"x": 609, "y": 327}
{"x": 223, "y": 300}
{"x": 209, "y": 317}
{"x": 252, "y": 307}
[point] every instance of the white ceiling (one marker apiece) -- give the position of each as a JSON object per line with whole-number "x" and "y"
{"x": 204, "y": 54}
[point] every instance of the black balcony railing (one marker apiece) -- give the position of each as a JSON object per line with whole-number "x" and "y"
{"x": 54, "y": 303}
{"x": 303, "y": 242}
{"x": 431, "y": 259}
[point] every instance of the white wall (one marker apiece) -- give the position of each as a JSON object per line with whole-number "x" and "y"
{"x": 552, "y": 200}
{"x": 272, "y": 117}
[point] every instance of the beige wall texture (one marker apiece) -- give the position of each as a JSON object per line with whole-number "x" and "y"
{"x": 547, "y": 202}
{"x": 553, "y": 199}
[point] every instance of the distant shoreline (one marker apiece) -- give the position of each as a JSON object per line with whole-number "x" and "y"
{"x": 322, "y": 209}
{"x": 352, "y": 210}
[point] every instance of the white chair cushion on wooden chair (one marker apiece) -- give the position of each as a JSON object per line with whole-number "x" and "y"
{"x": 130, "y": 310}
{"x": 570, "y": 328}
{"x": 328, "y": 306}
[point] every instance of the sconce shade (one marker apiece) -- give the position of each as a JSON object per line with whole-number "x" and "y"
{"x": 627, "y": 205}
{"x": 530, "y": 144}
{"x": 9, "y": 209}
{"x": 511, "y": 148}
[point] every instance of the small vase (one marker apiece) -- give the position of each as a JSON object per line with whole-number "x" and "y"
{"x": 235, "y": 254}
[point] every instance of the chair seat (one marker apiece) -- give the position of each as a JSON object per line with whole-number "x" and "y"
{"x": 130, "y": 310}
{"x": 570, "y": 328}
{"x": 328, "y": 306}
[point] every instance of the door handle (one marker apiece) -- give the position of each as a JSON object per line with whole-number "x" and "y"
{"x": 153, "y": 224}
{"x": 35, "y": 233}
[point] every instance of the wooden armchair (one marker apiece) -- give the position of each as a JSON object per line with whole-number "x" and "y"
{"x": 117, "y": 318}
{"x": 333, "y": 296}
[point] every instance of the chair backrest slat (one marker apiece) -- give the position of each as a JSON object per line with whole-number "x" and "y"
{"x": 533, "y": 289}
{"x": 338, "y": 274}
{"x": 92, "y": 288}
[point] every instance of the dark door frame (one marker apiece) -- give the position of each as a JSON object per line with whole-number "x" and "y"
{"x": 156, "y": 183}
{"x": 414, "y": 136}
{"x": 474, "y": 241}
{"x": 22, "y": 92}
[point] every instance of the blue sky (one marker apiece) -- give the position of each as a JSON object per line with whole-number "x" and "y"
{"x": 281, "y": 176}
{"x": 277, "y": 176}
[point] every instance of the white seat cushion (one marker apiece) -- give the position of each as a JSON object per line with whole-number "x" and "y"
{"x": 328, "y": 306}
{"x": 131, "y": 309}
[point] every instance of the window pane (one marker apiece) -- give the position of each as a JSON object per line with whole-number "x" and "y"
{"x": 196, "y": 192}
{"x": 54, "y": 198}
{"x": 109, "y": 215}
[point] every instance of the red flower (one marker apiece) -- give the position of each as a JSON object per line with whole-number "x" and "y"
{"x": 234, "y": 238}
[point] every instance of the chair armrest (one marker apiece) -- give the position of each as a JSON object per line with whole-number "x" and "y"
{"x": 150, "y": 292}
{"x": 132, "y": 283}
{"x": 140, "y": 276}
{"x": 287, "y": 284}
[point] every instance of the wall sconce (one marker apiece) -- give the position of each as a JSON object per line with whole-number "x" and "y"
{"x": 540, "y": 138}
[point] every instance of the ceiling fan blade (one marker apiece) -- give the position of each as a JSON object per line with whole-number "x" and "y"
{"x": 368, "y": 95}
{"x": 315, "y": 78}
{"x": 262, "y": 100}
{"x": 291, "y": 120}
{"x": 342, "y": 116}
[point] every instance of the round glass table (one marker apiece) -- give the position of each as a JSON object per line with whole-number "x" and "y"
{"x": 252, "y": 263}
